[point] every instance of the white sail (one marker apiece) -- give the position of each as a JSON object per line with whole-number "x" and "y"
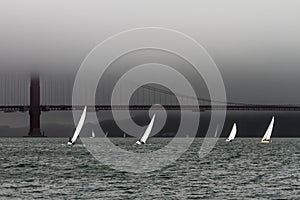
{"x": 232, "y": 133}
{"x": 216, "y": 133}
{"x": 79, "y": 126}
{"x": 147, "y": 132}
{"x": 268, "y": 133}
{"x": 106, "y": 134}
{"x": 93, "y": 134}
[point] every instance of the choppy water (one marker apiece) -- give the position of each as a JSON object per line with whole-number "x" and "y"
{"x": 46, "y": 168}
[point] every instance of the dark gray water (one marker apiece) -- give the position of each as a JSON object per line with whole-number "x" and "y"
{"x": 47, "y": 168}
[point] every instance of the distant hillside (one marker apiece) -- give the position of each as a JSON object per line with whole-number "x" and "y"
{"x": 250, "y": 124}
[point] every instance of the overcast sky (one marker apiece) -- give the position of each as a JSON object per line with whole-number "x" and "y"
{"x": 255, "y": 43}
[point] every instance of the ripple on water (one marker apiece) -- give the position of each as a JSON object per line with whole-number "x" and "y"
{"x": 46, "y": 168}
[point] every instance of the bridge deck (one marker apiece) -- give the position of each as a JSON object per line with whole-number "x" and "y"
{"x": 46, "y": 108}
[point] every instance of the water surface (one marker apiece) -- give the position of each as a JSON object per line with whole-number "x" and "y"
{"x": 47, "y": 168}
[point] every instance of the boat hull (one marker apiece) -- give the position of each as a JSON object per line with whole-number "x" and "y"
{"x": 139, "y": 143}
{"x": 265, "y": 141}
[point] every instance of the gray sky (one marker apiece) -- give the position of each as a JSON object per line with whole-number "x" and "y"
{"x": 255, "y": 43}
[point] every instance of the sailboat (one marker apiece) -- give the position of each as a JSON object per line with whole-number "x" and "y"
{"x": 216, "y": 132}
{"x": 267, "y": 137}
{"x": 124, "y": 135}
{"x": 93, "y": 134}
{"x": 106, "y": 134}
{"x": 78, "y": 128}
{"x": 147, "y": 132}
{"x": 232, "y": 133}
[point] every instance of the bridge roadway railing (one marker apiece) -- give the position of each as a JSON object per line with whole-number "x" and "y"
{"x": 243, "y": 107}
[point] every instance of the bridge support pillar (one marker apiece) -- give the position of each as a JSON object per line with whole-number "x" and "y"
{"x": 35, "y": 111}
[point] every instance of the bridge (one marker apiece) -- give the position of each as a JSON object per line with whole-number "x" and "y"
{"x": 20, "y": 102}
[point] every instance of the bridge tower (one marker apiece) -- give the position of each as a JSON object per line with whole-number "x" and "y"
{"x": 35, "y": 111}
